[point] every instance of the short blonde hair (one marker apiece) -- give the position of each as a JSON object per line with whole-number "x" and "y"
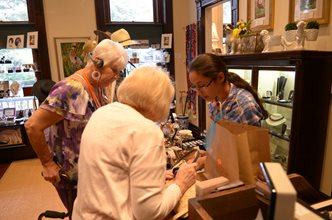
{"x": 147, "y": 89}
{"x": 110, "y": 52}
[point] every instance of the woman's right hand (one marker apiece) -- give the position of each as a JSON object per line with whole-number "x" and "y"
{"x": 186, "y": 176}
{"x": 51, "y": 172}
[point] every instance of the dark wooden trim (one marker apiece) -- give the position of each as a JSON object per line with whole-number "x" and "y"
{"x": 158, "y": 11}
{"x": 41, "y": 54}
{"x": 168, "y": 28}
{"x": 201, "y": 5}
{"x": 31, "y": 11}
{"x": 3, "y": 168}
{"x": 102, "y": 9}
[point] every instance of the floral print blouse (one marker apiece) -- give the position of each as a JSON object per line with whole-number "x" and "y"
{"x": 69, "y": 99}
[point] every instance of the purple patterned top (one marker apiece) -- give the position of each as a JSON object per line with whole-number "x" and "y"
{"x": 69, "y": 99}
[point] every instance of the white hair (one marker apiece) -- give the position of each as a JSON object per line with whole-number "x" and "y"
{"x": 110, "y": 52}
{"x": 149, "y": 90}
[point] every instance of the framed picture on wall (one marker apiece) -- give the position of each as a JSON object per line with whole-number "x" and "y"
{"x": 32, "y": 39}
{"x": 261, "y": 14}
{"x": 15, "y": 41}
{"x": 166, "y": 41}
{"x": 310, "y": 10}
{"x": 69, "y": 53}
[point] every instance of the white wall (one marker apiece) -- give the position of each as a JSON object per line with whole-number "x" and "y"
{"x": 281, "y": 18}
{"x": 63, "y": 18}
{"x": 184, "y": 13}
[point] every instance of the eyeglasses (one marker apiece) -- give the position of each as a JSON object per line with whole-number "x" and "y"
{"x": 200, "y": 87}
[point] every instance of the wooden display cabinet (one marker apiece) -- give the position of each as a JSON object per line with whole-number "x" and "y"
{"x": 309, "y": 110}
{"x": 18, "y": 147}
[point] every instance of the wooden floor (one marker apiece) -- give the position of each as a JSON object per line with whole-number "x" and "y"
{"x": 24, "y": 193}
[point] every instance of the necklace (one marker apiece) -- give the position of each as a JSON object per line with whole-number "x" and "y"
{"x": 98, "y": 101}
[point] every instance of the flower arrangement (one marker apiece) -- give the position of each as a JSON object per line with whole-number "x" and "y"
{"x": 243, "y": 28}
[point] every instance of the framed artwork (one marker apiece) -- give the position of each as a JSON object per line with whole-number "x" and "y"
{"x": 32, "y": 39}
{"x": 310, "y": 10}
{"x": 166, "y": 41}
{"x": 261, "y": 14}
{"x": 69, "y": 53}
{"x": 15, "y": 41}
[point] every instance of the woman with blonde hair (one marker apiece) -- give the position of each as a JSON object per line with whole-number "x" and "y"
{"x": 123, "y": 175}
{"x": 67, "y": 110}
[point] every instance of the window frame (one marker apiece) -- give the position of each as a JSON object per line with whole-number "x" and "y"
{"x": 104, "y": 6}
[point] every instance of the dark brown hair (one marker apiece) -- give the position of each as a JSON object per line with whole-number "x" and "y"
{"x": 210, "y": 65}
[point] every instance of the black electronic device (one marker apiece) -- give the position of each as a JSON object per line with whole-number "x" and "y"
{"x": 98, "y": 62}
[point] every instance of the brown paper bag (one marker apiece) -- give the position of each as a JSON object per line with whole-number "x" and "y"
{"x": 236, "y": 151}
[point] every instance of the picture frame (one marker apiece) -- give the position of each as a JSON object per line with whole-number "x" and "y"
{"x": 69, "y": 53}
{"x": 15, "y": 41}
{"x": 261, "y": 14}
{"x": 314, "y": 10}
{"x": 32, "y": 39}
{"x": 9, "y": 112}
{"x": 166, "y": 41}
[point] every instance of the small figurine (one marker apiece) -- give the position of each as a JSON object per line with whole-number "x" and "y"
{"x": 284, "y": 43}
{"x": 230, "y": 41}
{"x": 266, "y": 40}
{"x": 300, "y": 35}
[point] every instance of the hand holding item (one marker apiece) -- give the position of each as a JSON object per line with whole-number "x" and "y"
{"x": 200, "y": 158}
{"x": 186, "y": 176}
{"x": 51, "y": 172}
{"x": 169, "y": 175}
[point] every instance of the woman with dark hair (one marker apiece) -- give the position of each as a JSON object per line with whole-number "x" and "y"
{"x": 234, "y": 98}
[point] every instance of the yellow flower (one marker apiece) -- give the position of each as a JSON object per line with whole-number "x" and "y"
{"x": 242, "y": 25}
{"x": 236, "y": 32}
{"x": 243, "y": 28}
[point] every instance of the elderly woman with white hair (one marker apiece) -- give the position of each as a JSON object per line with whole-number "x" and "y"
{"x": 67, "y": 110}
{"x": 122, "y": 161}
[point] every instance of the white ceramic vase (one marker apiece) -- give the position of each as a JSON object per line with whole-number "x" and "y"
{"x": 311, "y": 34}
{"x": 290, "y": 35}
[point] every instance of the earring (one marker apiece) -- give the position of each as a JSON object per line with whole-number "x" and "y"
{"x": 96, "y": 75}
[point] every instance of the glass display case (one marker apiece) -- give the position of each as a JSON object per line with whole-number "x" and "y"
{"x": 276, "y": 88}
{"x": 243, "y": 73}
{"x": 295, "y": 87}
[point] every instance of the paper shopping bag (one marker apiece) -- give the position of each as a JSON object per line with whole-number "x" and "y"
{"x": 236, "y": 151}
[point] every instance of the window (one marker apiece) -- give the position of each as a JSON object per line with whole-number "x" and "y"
{"x": 13, "y": 10}
{"x": 131, "y": 11}
{"x": 227, "y": 13}
{"x": 17, "y": 65}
